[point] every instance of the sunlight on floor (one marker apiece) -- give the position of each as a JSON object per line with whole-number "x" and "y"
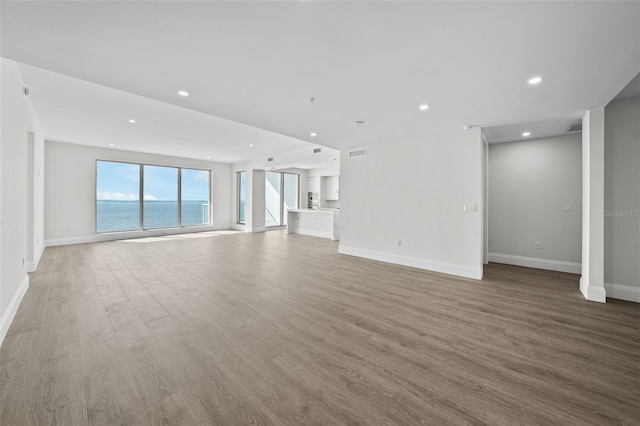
{"x": 181, "y": 236}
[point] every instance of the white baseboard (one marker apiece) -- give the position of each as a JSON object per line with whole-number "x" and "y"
{"x": 623, "y": 292}
{"x": 532, "y": 262}
{"x": 10, "y": 312}
{"x": 112, "y": 236}
{"x": 259, "y": 229}
{"x": 430, "y": 265}
{"x": 313, "y": 233}
{"x": 32, "y": 265}
{"x": 592, "y": 292}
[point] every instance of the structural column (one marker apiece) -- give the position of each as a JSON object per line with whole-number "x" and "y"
{"x": 257, "y": 201}
{"x": 592, "y": 280}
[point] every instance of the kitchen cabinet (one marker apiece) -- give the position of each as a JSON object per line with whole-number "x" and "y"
{"x": 313, "y": 184}
{"x": 331, "y": 188}
{"x": 318, "y": 223}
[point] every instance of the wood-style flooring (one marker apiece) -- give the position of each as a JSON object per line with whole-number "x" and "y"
{"x": 277, "y": 329}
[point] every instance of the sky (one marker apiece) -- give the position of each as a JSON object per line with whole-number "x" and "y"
{"x": 121, "y": 181}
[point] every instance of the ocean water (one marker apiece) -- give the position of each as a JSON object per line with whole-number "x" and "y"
{"x": 112, "y": 215}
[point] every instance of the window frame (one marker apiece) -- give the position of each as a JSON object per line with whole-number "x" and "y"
{"x": 141, "y": 227}
{"x": 283, "y": 213}
{"x": 239, "y": 192}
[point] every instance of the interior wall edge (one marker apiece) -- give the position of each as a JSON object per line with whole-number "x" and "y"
{"x": 10, "y": 312}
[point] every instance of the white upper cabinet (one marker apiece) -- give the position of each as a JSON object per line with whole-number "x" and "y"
{"x": 313, "y": 184}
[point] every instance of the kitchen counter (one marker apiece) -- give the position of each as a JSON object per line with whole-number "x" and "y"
{"x": 318, "y": 223}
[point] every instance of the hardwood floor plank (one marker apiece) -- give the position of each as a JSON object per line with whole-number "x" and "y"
{"x": 112, "y": 398}
{"x": 60, "y": 395}
{"x": 179, "y": 409}
{"x": 18, "y": 377}
{"x": 278, "y": 329}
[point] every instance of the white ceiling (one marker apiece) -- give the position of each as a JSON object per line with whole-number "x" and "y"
{"x": 513, "y": 132}
{"x": 259, "y": 63}
{"x": 76, "y": 111}
{"x": 631, "y": 90}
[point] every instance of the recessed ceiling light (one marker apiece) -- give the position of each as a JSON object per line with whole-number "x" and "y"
{"x": 466, "y": 127}
{"x": 250, "y": 145}
{"x": 112, "y": 144}
{"x": 359, "y": 123}
{"x": 183, "y": 93}
{"x": 313, "y": 134}
{"x": 526, "y": 134}
{"x": 423, "y": 107}
{"x": 535, "y": 80}
{"x": 208, "y": 157}
{"x": 132, "y": 121}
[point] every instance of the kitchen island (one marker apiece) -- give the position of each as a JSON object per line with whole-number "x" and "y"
{"x": 315, "y": 222}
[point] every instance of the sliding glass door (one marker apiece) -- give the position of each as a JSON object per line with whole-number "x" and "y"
{"x": 281, "y": 194}
{"x": 272, "y": 199}
{"x": 290, "y": 191}
{"x": 133, "y": 197}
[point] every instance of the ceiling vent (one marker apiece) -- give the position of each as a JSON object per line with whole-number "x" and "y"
{"x": 317, "y": 150}
{"x": 575, "y": 127}
{"x": 358, "y": 153}
{"x": 270, "y": 159}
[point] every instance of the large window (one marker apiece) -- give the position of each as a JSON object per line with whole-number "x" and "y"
{"x": 194, "y": 203}
{"x": 242, "y": 196}
{"x": 281, "y": 194}
{"x": 171, "y": 197}
{"x": 117, "y": 196}
{"x": 160, "y": 207}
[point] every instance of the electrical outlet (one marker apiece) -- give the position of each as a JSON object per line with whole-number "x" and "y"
{"x": 398, "y": 243}
{"x": 538, "y": 245}
{"x": 568, "y": 207}
{"x": 470, "y": 208}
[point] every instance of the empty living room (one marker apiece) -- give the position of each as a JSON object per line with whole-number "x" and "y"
{"x": 319, "y": 212}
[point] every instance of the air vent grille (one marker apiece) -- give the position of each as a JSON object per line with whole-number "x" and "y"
{"x": 270, "y": 159}
{"x": 317, "y": 150}
{"x": 358, "y": 153}
{"x": 575, "y": 127}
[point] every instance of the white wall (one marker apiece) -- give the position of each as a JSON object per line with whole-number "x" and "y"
{"x": 414, "y": 191}
{"x": 70, "y": 191}
{"x": 17, "y": 119}
{"x": 622, "y": 199}
{"x": 592, "y": 278}
{"x": 530, "y": 182}
{"x": 35, "y": 199}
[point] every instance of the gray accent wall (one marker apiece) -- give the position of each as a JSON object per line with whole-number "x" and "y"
{"x": 535, "y": 195}
{"x": 622, "y": 195}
